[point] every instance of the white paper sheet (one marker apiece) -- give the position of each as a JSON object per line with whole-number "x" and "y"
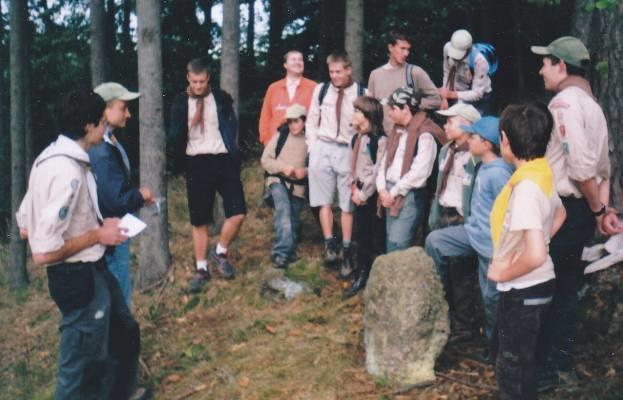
{"x": 132, "y": 224}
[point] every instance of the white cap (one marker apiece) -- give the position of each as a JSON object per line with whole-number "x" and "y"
{"x": 460, "y": 43}
{"x": 466, "y": 111}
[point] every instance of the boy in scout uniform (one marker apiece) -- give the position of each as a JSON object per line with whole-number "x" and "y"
{"x": 60, "y": 217}
{"x": 578, "y": 155}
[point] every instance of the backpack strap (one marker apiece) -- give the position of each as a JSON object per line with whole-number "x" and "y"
{"x": 323, "y": 92}
{"x": 373, "y": 146}
{"x": 409, "y": 76}
{"x": 283, "y": 136}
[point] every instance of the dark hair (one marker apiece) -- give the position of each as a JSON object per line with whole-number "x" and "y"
{"x": 285, "y": 56}
{"x": 199, "y": 65}
{"x": 495, "y": 148}
{"x": 341, "y": 57}
{"x": 394, "y": 36}
{"x": 372, "y": 111}
{"x": 571, "y": 69}
{"x": 79, "y": 108}
{"x": 528, "y": 128}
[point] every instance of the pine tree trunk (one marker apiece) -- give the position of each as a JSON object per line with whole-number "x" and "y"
{"x": 99, "y": 64}
{"x": 602, "y": 32}
{"x": 5, "y": 145}
{"x": 28, "y": 133}
{"x": 276, "y": 23}
{"x": 154, "y": 256}
{"x": 353, "y": 36}
{"x": 206, "y": 7}
{"x": 126, "y": 38}
{"x": 230, "y": 59}
{"x": 251, "y": 31}
{"x": 18, "y": 273}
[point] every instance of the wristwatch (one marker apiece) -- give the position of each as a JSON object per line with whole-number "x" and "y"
{"x": 601, "y": 211}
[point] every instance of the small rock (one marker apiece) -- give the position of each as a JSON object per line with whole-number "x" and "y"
{"x": 276, "y": 286}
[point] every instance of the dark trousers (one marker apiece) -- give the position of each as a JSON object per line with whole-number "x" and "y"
{"x": 520, "y": 318}
{"x": 369, "y": 235}
{"x": 100, "y": 341}
{"x": 566, "y": 251}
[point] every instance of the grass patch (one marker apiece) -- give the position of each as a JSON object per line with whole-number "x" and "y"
{"x": 309, "y": 273}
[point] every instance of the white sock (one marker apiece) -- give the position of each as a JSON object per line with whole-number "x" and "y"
{"x": 202, "y": 264}
{"x": 220, "y": 249}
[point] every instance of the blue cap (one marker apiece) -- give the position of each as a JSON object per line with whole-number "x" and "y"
{"x": 487, "y": 128}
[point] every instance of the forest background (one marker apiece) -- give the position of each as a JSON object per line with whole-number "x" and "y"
{"x": 50, "y": 46}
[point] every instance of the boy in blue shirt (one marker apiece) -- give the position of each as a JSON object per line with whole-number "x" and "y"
{"x": 474, "y": 237}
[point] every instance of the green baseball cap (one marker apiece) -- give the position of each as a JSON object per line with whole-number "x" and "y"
{"x": 403, "y": 96}
{"x": 569, "y": 49}
{"x": 115, "y": 91}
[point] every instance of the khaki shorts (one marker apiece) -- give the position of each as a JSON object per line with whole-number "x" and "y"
{"x": 329, "y": 168}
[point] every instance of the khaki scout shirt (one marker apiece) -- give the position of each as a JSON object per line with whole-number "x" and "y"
{"x": 58, "y": 204}
{"x": 578, "y": 148}
{"x": 293, "y": 153}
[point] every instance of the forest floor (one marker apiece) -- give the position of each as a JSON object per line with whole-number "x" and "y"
{"x": 231, "y": 343}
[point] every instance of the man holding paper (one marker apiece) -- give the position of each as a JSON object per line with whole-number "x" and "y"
{"x": 111, "y": 166}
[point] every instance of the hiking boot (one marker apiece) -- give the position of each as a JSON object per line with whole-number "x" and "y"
{"x": 220, "y": 265}
{"x": 347, "y": 267}
{"x": 280, "y": 262}
{"x": 198, "y": 281}
{"x": 330, "y": 253}
{"x": 357, "y": 286}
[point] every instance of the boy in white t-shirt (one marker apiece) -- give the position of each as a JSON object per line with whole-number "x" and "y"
{"x": 526, "y": 214}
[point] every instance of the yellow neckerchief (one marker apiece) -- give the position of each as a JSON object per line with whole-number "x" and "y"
{"x": 537, "y": 171}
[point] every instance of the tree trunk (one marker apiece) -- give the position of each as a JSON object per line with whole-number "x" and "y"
{"x": 5, "y": 146}
{"x": 276, "y": 23}
{"x": 206, "y": 7}
{"x": 28, "y": 132}
{"x": 602, "y": 32}
{"x": 111, "y": 34}
{"x": 230, "y": 59}
{"x": 154, "y": 256}
{"x": 99, "y": 64}
{"x": 126, "y": 38}
{"x": 251, "y": 31}
{"x": 18, "y": 273}
{"x": 353, "y": 36}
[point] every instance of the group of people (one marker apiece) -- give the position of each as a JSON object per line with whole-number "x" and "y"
{"x": 522, "y": 193}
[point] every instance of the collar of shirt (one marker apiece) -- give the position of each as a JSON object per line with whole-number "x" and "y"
{"x": 108, "y": 135}
{"x": 389, "y": 66}
{"x": 292, "y": 83}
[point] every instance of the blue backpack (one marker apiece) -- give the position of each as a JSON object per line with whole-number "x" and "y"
{"x": 486, "y": 50}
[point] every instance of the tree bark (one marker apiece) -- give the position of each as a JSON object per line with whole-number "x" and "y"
{"x": 206, "y": 7}
{"x": 99, "y": 66}
{"x": 28, "y": 132}
{"x": 518, "y": 45}
{"x": 353, "y": 36}
{"x": 18, "y": 273}
{"x": 5, "y": 146}
{"x": 276, "y": 23}
{"x": 251, "y": 30}
{"x": 126, "y": 38}
{"x": 154, "y": 256}
{"x": 230, "y": 59}
{"x": 602, "y": 32}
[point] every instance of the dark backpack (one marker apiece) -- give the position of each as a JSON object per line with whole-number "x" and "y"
{"x": 373, "y": 145}
{"x": 486, "y": 50}
{"x": 361, "y": 90}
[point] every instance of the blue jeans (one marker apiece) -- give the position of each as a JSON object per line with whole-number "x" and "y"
{"x": 453, "y": 241}
{"x": 286, "y": 221}
{"x": 400, "y": 229}
{"x": 119, "y": 266}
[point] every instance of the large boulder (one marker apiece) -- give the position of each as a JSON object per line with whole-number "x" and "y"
{"x": 406, "y": 318}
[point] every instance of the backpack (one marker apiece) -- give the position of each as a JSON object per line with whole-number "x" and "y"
{"x": 488, "y": 51}
{"x": 373, "y": 145}
{"x": 361, "y": 90}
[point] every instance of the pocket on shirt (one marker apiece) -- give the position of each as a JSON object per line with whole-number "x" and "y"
{"x": 71, "y": 287}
